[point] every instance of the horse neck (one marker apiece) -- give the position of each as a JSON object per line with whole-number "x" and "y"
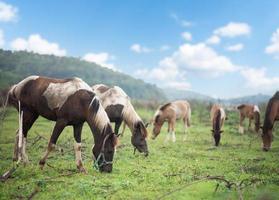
{"x": 97, "y": 119}
{"x": 270, "y": 114}
{"x": 130, "y": 116}
{"x": 217, "y": 120}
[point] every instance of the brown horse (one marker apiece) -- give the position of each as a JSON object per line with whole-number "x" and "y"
{"x": 271, "y": 115}
{"x": 252, "y": 112}
{"x": 218, "y": 117}
{"x": 69, "y": 102}
{"x": 171, "y": 112}
{"x": 118, "y": 107}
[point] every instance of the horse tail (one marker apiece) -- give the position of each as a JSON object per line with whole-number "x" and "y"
{"x": 240, "y": 106}
{"x": 189, "y": 116}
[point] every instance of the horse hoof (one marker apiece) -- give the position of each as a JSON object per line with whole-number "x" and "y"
{"x": 42, "y": 164}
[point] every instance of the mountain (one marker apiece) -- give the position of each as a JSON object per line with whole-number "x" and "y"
{"x": 14, "y": 66}
{"x": 252, "y": 99}
{"x": 173, "y": 94}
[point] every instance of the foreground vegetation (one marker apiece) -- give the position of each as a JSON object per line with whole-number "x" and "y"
{"x": 193, "y": 169}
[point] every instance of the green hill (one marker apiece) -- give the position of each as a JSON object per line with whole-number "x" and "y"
{"x": 15, "y": 66}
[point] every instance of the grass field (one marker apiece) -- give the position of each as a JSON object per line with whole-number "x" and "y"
{"x": 180, "y": 170}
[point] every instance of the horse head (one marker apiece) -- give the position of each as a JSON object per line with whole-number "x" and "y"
{"x": 139, "y": 138}
{"x": 104, "y": 151}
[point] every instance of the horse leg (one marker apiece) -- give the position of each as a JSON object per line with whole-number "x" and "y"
{"x": 28, "y": 120}
{"x": 241, "y": 128}
{"x": 249, "y": 126}
{"x": 169, "y": 132}
{"x": 123, "y": 129}
{"x": 58, "y": 128}
{"x": 185, "y": 128}
{"x": 77, "y": 147}
{"x": 15, "y": 157}
{"x": 117, "y": 126}
{"x": 173, "y": 131}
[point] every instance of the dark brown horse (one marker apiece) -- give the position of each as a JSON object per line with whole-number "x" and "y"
{"x": 271, "y": 115}
{"x": 218, "y": 117}
{"x": 69, "y": 102}
{"x": 119, "y": 108}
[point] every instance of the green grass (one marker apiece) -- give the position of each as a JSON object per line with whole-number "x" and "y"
{"x": 171, "y": 171}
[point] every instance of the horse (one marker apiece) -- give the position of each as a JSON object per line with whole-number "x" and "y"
{"x": 252, "y": 112}
{"x": 118, "y": 107}
{"x": 68, "y": 102}
{"x": 271, "y": 115}
{"x": 171, "y": 112}
{"x": 218, "y": 117}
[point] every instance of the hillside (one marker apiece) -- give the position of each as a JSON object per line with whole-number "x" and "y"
{"x": 173, "y": 94}
{"x": 15, "y": 66}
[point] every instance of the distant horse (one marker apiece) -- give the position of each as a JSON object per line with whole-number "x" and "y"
{"x": 252, "y": 112}
{"x": 218, "y": 117}
{"x": 171, "y": 112}
{"x": 68, "y": 102}
{"x": 271, "y": 115}
{"x": 118, "y": 107}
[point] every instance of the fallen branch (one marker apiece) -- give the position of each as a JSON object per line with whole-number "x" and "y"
{"x": 8, "y": 174}
{"x": 35, "y": 191}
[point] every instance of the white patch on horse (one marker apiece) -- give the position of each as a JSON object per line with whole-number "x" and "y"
{"x": 256, "y": 109}
{"x": 223, "y": 114}
{"x": 18, "y": 87}
{"x": 57, "y": 94}
{"x": 116, "y": 96}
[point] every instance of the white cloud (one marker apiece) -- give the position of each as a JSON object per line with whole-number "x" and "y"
{"x": 214, "y": 39}
{"x": 7, "y": 12}
{"x": 198, "y": 58}
{"x": 273, "y": 48}
{"x": 186, "y": 36}
{"x": 233, "y": 29}
{"x": 164, "y": 48}
{"x": 139, "y": 49}
{"x": 235, "y": 47}
{"x": 2, "y": 41}
{"x": 35, "y": 43}
{"x": 201, "y": 58}
{"x": 100, "y": 58}
{"x": 181, "y": 22}
{"x": 257, "y": 79}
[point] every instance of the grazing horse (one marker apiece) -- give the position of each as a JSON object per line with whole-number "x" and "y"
{"x": 271, "y": 115}
{"x": 218, "y": 117}
{"x": 118, "y": 107}
{"x": 69, "y": 102}
{"x": 171, "y": 112}
{"x": 252, "y": 112}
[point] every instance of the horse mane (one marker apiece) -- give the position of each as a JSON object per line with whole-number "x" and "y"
{"x": 268, "y": 124}
{"x": 217, "y": 117}
{"x": 240, "y": 106}
{"x": 163, "y": 107}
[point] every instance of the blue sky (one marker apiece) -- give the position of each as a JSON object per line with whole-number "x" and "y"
{"x": 219, "y": 48}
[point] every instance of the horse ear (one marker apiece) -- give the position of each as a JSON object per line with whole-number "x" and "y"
{"x": 147, "y": 124}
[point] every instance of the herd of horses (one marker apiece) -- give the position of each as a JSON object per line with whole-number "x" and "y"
{"x": 72, "y": 102}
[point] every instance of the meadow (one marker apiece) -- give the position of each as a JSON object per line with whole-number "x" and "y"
{"x": 193, "y": 169}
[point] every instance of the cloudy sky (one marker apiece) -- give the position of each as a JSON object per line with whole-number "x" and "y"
{"x": 219, "y": 48}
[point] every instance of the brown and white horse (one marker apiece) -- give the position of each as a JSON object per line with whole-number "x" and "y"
{"x": 218, "y": 117}
{"x": 171, "y": 112}
{"x": 118, "y": 107}
{"x": 252, "y": 112}
{"x": 271, "y": 115}
{"x": 69, "y": 102}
